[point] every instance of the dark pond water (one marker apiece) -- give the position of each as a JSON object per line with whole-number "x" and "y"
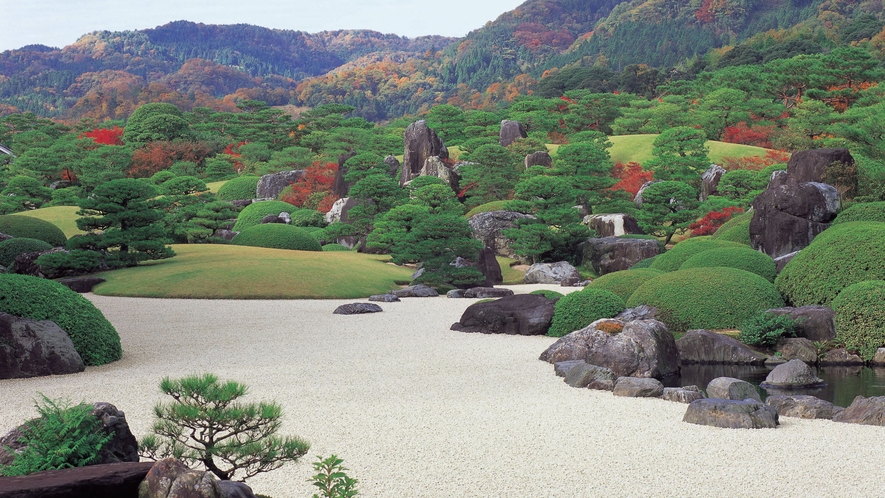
{"x": 843, "y": 383}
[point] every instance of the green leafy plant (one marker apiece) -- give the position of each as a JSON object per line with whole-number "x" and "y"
{"x": 577, "y": 310}
{"x": 243, "y": 187}
{"x": 34, "y": 228}
{"x": 64, "y": 436}
{"x": 277, "y": 236}
{"x": 12, "y": 248}
{"x": 765, "y": 329}
{"x": 206, "y": 424}
{"x": 331, "y": 479}
{"x": 860, "y": 317}
{"x": 624, "y": 283}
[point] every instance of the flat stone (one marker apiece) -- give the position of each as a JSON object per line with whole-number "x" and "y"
{"x": 585, "y": 375}
{"x": 487, "y": 293}
{"x": 357, "y": 309}
{"x": 731, "y": 388}
{"x": 731, "y": 414}
{"x": 384, "y": 298}
{"x": 703, "y": 346}
{"x": 682, "y": 394}
{"x": 113, "y": 480}
{"x": 638, "y": 387}
{"x": 803, "y": 406}
{"x": 562, "y": 368}
{"x": 866, "y": 411}
{"x": 415, "y": 291}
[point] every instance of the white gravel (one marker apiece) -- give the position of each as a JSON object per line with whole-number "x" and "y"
{"x": 416, "y": 410}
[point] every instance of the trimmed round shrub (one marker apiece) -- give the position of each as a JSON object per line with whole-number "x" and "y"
{"x": 736, "y": 229}
{"x": 94, "y": 338}
{"x": 840, "y": 256}
{"x": 644, "y": 263}
{"x": 11, "y": 248}
{"x": 307, "y": 218}
{"x": 277, "y": 236}
{"x": 334, "y": 248}
{"x": 624, "y": 283}
{"x": 32, "y": 228}
{"x": 742, "y": 258}
{"x": 577, "y": 310}
{"x": 673, "y": 259}
{"x": 252, "y": 214}
{"x": 867, "y": 211}
{"x": 860, "y": 317}
{"x": 707, "y": 298}
{"x": 549, "y": 294}
{"x": 242, "y": 187}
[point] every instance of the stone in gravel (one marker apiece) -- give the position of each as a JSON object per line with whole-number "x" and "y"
{"x": 703, "y": 346}
{"x": 94, "y": 481}
{"x": 384, "y": 298}
{"x": 122, "y": 447}
{"x": 550, "y": 273}
{"x": 638, "y": 387}
{"x": 866, "y": 411}
{"x": 419, "y": 290}
{"x": 456, "y": 293}
{"x": 171, "y": 478}
{"x": 731, "y": 414}
{"x": 803, "y": 406}
{"x": 685, "y": 394}
{"x": 562, "y": 368}
{"x": 585, "y": 375}
{"x": 235, "y": 489}
{"x": 520, "y": 314}
{"x": 33, "y": 348}
{"x": 816, "y": 323}
{"x": 731, "y": 388}
{"x": 797, "y": 348}
{"x": 794, "y": 374}
{"x": 487, "y": 293}
{"x": 357, "y": 309}
{"x": 840, "y": 356}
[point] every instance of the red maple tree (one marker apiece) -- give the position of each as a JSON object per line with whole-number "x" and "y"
{"x": 104, "y": 136}
{"x": 713, "y": 220}
{"x": 314, "y": 187}
{"x": 630, "y": 177}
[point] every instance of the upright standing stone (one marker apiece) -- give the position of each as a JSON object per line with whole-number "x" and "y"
{"x": 511, "y": 131}
{"x": 340, "y": 187}
{"x": 420, "y": 142}
{"x": 540, "y": 158}
{"x": 710, "y": 181}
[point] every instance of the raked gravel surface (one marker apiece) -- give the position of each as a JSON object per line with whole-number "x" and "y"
{"x": 417, "y": 410}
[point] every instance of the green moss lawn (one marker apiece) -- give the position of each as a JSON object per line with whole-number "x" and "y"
{"x": 637, "y": 148}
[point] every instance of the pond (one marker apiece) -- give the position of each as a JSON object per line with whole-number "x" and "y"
{"x": 843, "y": 382}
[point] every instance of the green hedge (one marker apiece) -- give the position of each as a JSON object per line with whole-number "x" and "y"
{"x": 707, "y": 298}
{"x": 577, "y": 310}
{"x": 624, "y": 283}
{"x": 736, "y": 229}
{"x": 742, "y": 258}
{"x": 11, "y": 248}
{"x": 277, "y": 236}
{"x": 94, "y": 338}
{"x": 860, "y": 317}
{"x": 842, "y": 255}
{"x": 242, "y": 187}
{"x": 334, "y": 248}
{"x": 673, "y": 259}
{"x": 252, "y": 214}
{"x": 645, "y": 263}
{"x": 32, "y": 228}
{"x": 867, "y": 211}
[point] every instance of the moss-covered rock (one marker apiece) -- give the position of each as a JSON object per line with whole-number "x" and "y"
{"x": 11, "y": 248}
{"x": 860, "y": 317}
{"x": 242, "y": 187}
{"x": 742, "y": 258}
{"x": 577, "y": 310}
{"x": 673, "y": 259}
{"x": 32, "y": 228}
{"x": 624, "y": 283}
{"x": 277, "y": 236}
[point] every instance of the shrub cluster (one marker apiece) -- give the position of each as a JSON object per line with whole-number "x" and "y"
{"x": 33, "y": 228}
{"x": 11, "y": 248}
{"x": 307, "y": 218}
{"x": 860, "y": 317}
{"x": 764, "y": 329}
{"x": 277, "y": 236}
{"x": 577, "y": 310}
{"x": 707, "y": 298}
{"x": 867, "y": 211}
{"x": 252, "y": 214}
{"x": 243, "y": 187}
{"x": 645, "y": 263}
{"x": 736, "y": 229}
{"x": 94, "y": 338}
{"x": 624, "y": 283}
{"x": 842, "y": 255}
{"x": 742, "y": 258}
{"x": 673, "y": 259}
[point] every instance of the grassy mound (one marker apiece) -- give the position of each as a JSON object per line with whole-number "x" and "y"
{"x": 32, "y": 228}
{"x": 252, "y": 214}
{"x": 242, "y": 187}
{"x": 10, "y": 249}
{"x": 707, "y": 298}
{"x": 277, "y": 236}
{"x": 549, "y": 294}
{"x": 742, "y": 258}
{"x": 94, "y": 338}
{"x": 64, "y": 217}
{"x": 577, "y": 310}
{"x": 624, "y": 283}
{"x": 645, "y": 263}
{"x": 867, "y": 211}
{"x": 842, "y": 255}
{"x": 673, "y": 259}
{"x": 860, "y": 317}
{"x": 486, "y": 208}
{"x": 638, "y": 148}
{"x": 736, "y": 229}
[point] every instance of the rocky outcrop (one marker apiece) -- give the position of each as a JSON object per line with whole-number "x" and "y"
{"x": 731, "y": 414}
{"x": 521, "y": 314}
{"x": 586, "y": 376}
{"x": 339, "y": 210}
{"x": 357, "y": 309}
{"x": 170, "y": 478}
{"x": 731, "y": 388}
{"x": 540, "y": 158}
{"x": 803, "y": 406}
{"x": 26, "y": 264}
{"x": 866, "y": 411}
{"x": 393, "y": 164}
{"x": 116, "y": 480}
{"x": 816, "y": 323}
{"x": 710, "y": 181}
{"x": 488, "y": 228}
{"x": 235, "y": 489}
{"x": 835, "y": 166}
{"x": 685, "y": 394}
{"x": 794, "y": 374}
{"x": 638, "y": 387}
{"x": 637, "y": 199}
{"x": 840, "y": 356}
{"x": 551, "y": 273}
{"x": 419, "y": 290}
{"x": 613, "y": 225}
{"x": 797, "y": 348}
{"x": 511, "y": 131}
{"x": 420, "y": 142}
{"x": 32, "y": 348}
{"x": 641, "y": 312}
{"x": 643, "y": 349}
{"x": 703, "y": 346}
{"x": 270, "y": 186}
{"x": 434, "y": 166}
{"x": 611, "y": 254}
{"x": 340, "y": 186}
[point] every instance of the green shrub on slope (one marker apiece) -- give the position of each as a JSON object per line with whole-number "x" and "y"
{"x": 742, "y": 258}
{"x": 860, "y": 317}
{"x": 867, "y": 211}
{"x": 736, "y": 229}
{"x": 11, "y": 248}
{"x": 252, "y": 214}
{"x": 673, "y": 259}
{"x": 277, "y": 236}
{"x": 577, "y": 310}
{"x": 243, "y": 187}
{"x": 624, "y": 283}
{"x": 33, "y": 228}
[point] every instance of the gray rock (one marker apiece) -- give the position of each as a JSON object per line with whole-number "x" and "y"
{"x": 550, "y": 273}
{"x": 585, "y": 375}
{"x": 866, "y": 411}
{"x": 434, "y": 166}
{"x": 702, "y": 346}
{"x": 170, "y": 478}
{"x": 488, "y": 228}
{"x": 511, "y": 131}
{"x": 803, "y": 406}
{"x": 794, "y": 374}
{"x": 731, "y": 414}
{"x": 420, "y": 142}
{"x": 840, "y": 357}
{"x": 816, "y": 165}
{"x": 357, "y": 309}
{"x": 638, "y": 387}
{"x": 540, "y": 158}
{"x": 32, "y": 348}
{"x": 816, "y": 323}
{"x": 122, "y": 447}
{"x": 80, "y": 284}
{"x": 456, "y": 293}
{"x": 773, "y": 361}
{"x": 731, "y": 388}
{"x": 393, "y": 163}
{"x": 797, "y": 348}
{"x": 781, "y": 261}
{"x": 879, "y": 357}
{"x": 487, "y": 293}
{"x": 273, "y": 184}
{"x": 419, "y": 290}
{"x": 488, "y": 265}
{"x": 710, "y": 181}
{"x": 26, "y": 264}
{"x": 235, "y": 489}
{"x": 384, "y": 298}
{"x": 561, "y": 369}
{"x": 336, "y": 212}
{"x": 613, "y": 225}
{"x": 340, "y": 186}
{"x": 225, "y": 234}
{"x": 641, "y": 312}
{"x": 637, "y": 199}
{"x": 118, "y": 480}
{"x": 611, "y": 254}
{"x": 682, "y": 394}
{"x": 520, "y": 314}
{"x": 272, "y": 218}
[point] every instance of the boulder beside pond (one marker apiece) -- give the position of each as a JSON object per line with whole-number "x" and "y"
{"x": 803, "y": 406}
{"x": 866, "y": 411}
{"x": 585, "y": 375}
{"x": 731, "y": 388}
{"x": 794, "y": 374}
{"x": 731, "y": 414}
{"x": 703, "y": 346}
{"x": 638, "y": 387}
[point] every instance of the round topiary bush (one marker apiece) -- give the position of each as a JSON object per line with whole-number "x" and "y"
{"x": 867, "y": 211}
{"x": 742, "y": 258}
{"x": 334, "y": 248}
{"x": 252, "y": 214}
{"x": 860, "y": 317}
{"x": 577, "y": 310}
{"x": 242, "y": 187}
{"x": 94, "y": 338}
{"x": 11, "y": 248}
{"x": 32, "y": 228}
{"x": 277, "y": 236}
{"x": 307, "y": 218}
{"x": 842, "y": 255}
{"x": 736, "y": 229}
{"x": 707, "y": 298}
{"x": 644, "y": 263}
{"x": 673, "y": 259}
{"x": 549, "y": 294}
{"x": 624, "y": 283}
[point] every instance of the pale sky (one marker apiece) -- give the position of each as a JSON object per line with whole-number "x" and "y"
{"x": 58, "y": 23}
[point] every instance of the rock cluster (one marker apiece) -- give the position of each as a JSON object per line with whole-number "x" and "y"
{"x": 611, "y": 254}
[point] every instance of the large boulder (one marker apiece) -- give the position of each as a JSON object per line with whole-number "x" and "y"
{"x": 794, "y": 374}
{"x": 866, "y": 411}
{"x": 797, "y": 348}
{"x": 488, "y": 265}
{"x": 816, "y": 323}
{"x": 551, "y": 273}
{"x": 393, "y": 163}
{"x": 685, "y": 394}
{"x": 488, "y": 228}
{"x": 834, "y": 166}
{"x": 539, "y": 158}
{"x": 340, "y": 186}
{"x": 840, "y": 356}
{"x": 520, "y": 314}
{"x": 643, "y": 348}
{"x": 613, "y": 225}
{"x": 32, "y": 348}
{"x": 611, "y": 254}
{"x": 731, "y": 414}
{"x": 270, "y": 186}
{"x": 435, "y": 166}
{"x": 703, "y": 346}
{"x": 585, "y": 375}
{"x": 511, "y": 131}
{"x": 710, "y": 181}
{"x": 731, "y": 388}
{"x": 789, "y": 214}
{"x": 116, "y": 480}
{"x": 803, "y": 406}
{"x": 170, "y": 478}
{"x": 420, "y": 142}
{"x": 638, "y": 387}
{"x": 637, "y": 199}
{"x": 486, "y": 293}
{"x": 26, "y": 264}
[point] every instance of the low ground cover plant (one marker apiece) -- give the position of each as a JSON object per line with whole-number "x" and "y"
{"x": 277, "y": 236}
{"x": 34, "y": 228}
{"x": 673, "y": 259}
{"x": 624, "y": 283}
{"x": 860, "y": 317}
{"x": 742, "y": 258}
{"x": 577, "y": 310}
{"x": 867, "y": 211}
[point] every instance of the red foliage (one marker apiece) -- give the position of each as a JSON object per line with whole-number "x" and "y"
{"x": 106, "y": 137}
{"x": 157, "y": 156}
{"x": 630, "y": 177}
{"x": 233, "y": 151}
{"x": 705, "y": 13}
{"x": 318, "y": 178}
{"x": 755, "y": 163}
{"x": 741, "y": 133}
{"x": 712, "y": 221}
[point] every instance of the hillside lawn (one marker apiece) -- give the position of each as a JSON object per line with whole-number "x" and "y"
{"x": 637, "y": 148}
{"x": 64, "y": 217}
